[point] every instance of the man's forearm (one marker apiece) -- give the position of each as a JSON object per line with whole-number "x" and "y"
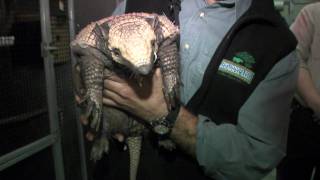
{"x": 184, "y": 132}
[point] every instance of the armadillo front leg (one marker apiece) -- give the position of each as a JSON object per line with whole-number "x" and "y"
{"x": 169, "y": 64}
{"x": 134, "y": 145}
{"x": 92, "y": 75}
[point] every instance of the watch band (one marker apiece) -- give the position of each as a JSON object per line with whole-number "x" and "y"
{"x": 173, "y": 114}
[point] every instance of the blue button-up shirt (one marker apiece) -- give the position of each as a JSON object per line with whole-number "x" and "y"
{"x": 197, "y": 47}
{"x": 253, "y": 147}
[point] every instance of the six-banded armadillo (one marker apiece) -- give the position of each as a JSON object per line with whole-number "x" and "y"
{"x": 129, "y": 44}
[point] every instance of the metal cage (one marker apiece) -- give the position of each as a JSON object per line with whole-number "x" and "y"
{"x": 39, "y": 131}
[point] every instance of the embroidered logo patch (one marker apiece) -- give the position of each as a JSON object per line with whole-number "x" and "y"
{"x": 245, "y": 59}
{"x": 239, "y": 68}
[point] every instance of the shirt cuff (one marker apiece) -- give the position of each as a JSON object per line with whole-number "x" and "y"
{"x": 200, "y": 140}
{"x": 204, "y": 123}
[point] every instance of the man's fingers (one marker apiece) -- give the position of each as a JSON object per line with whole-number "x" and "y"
{"x": 113, "y": 85}
{"x": 89, "y": 136}
{"x": 116, "y": 78}
{"x": 109, "y": 102}
{"x": 83, "y": 119}
{"x": 157, "y": 77}
{"x": 158, "y": 72}
{"x": 118, "y": 92}
{"x": 119, "y": 137}
{"x": 113, "y": 95}
{"x": 77, "y": 98}
{"x": 111, "y": 98}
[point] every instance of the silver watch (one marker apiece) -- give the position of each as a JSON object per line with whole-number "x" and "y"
{"x": 163, "y": 125}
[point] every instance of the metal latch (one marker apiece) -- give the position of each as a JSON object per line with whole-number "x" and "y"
{"x": 47, "y": 49}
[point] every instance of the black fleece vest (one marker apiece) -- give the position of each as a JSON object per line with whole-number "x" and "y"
{"x": 254, "y": 44}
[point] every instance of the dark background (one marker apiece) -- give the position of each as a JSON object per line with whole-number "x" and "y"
{"x": 87, "y": 11}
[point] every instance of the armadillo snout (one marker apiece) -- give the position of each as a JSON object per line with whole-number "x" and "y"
{"x": 145, "y": 69}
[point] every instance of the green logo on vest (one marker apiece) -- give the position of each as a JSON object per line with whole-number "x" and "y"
{"x": 239, "y": 68}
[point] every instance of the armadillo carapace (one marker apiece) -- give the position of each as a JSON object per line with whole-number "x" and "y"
{"x": 129, "y": 44}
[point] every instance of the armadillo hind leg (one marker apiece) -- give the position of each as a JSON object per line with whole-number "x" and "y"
{"x": 134, "y": 145}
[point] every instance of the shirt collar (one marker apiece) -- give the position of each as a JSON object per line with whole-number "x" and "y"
{"x": 226, "y": 3}
{"x": 241, "y": 6}
{"x": 223, "y": 3}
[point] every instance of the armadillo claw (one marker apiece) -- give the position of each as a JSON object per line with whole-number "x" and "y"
{"x": 96, "y": 117}
{"x": 171, "y": 96}
{"x": 99, "y": 147}
{"x": 92, "y": 112}
{"x": 169, "y": 100}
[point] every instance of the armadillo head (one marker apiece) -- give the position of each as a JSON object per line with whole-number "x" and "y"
{"x": 133, "y": 44}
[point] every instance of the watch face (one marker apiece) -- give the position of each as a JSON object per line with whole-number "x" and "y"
{"x": 161, "y": 129}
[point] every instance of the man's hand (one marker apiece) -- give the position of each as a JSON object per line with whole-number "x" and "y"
{"x": 308, "y": 91}
{"x": 145, "y": 101}
{"x": 148, "y": 103}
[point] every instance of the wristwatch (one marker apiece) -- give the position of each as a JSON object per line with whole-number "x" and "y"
{"x": 163, "y": 125}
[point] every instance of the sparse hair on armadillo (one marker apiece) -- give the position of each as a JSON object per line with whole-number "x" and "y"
{"x": 134, "y": 43}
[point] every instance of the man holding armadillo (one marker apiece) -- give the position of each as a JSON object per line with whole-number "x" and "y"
{"x": 238, "y": 74}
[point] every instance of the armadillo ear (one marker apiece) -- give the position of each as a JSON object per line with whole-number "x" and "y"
{"x": 102, "y": 30}
{"x": 153, "y": 20}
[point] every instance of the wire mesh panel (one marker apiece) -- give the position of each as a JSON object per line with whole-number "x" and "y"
{"x": 23, "y": 115}
{"x": 23, "y": 98}
{"x": 60, "y": 32}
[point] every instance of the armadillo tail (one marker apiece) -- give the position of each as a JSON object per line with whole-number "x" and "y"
{"x": 134, "y": 145}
